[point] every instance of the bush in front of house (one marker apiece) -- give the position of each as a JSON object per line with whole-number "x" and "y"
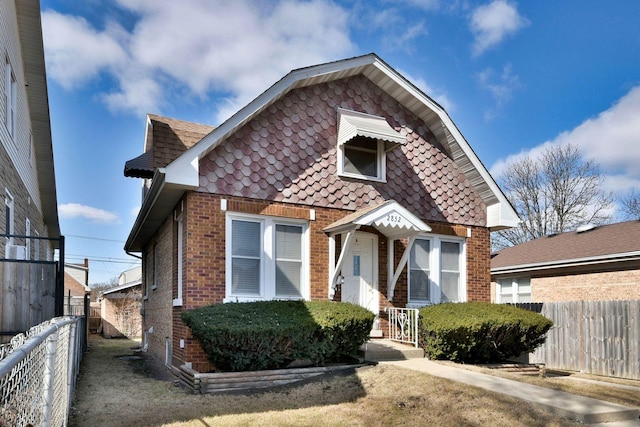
{"x": 477, "y": 332}
{"x": 272, "y": 334}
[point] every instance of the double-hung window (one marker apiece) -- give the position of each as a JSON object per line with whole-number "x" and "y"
{"x": 266, "y": 258}
{"x": 436, "y": 271}
{"x": 513, "y": 290}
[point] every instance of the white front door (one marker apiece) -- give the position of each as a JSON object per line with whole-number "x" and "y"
{"x": 360, "y": 272}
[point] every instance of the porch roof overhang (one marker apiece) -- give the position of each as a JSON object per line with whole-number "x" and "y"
{"x": 389, "y": 218}
{"x": 354, "y": 123}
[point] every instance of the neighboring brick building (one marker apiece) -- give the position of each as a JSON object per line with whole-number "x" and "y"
{"x": 342, "y": 181}
{"x": 120, "y": 306}
{"x": 76, "y": 287}
{"x": 591, "y": 264}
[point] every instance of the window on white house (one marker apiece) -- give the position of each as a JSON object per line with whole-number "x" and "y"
{"x": 10, "y": 91}
{"x": 513, "y": 290}
{"x": 436, "y": 271}
{"x": 266, "y": 258}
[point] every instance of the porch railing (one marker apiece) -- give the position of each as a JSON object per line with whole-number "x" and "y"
{"x": 403, "y": 325}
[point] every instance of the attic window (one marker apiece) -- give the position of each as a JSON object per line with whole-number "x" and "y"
{"x": 363, "y": 141}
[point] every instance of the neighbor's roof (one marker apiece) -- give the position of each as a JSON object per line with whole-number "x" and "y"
{"x": 182, "y": 174}
{"x": 597, "y": 245}
{"x": 166, "y": 140}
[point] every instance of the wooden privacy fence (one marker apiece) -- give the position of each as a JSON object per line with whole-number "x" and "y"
{"x": 27, "y": 294}
{"x": 594, "y": 337}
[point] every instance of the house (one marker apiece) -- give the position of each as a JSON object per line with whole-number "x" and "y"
{"x": 76, "y": 288}
{"x": 120, "y": 306}
{"x": 29, "y": 219}
{"x": 590, "y": 264}
{"x": 342, "y": 181}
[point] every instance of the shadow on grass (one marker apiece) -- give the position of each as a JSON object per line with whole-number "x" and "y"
{"x": 121, "y": 386}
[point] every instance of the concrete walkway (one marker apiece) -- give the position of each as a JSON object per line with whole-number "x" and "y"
{"x": 580, "y": 408}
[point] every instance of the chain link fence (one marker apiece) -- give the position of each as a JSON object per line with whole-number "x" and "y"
{"x": 38, "y": 372}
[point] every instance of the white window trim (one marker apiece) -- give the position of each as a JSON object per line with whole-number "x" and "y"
{"x": 177, "y": 302}
{"x": 435, "y": 270}
{"x": 267, "y": 264}
{"x": 381, "y": 157}
{"x": 9, "y": 202}
{"x": 515, "y": 289}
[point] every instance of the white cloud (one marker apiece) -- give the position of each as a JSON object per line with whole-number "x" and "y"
{"x": 237, "y": 48}
{"x": 492, "y": 23}
{"x": 76, "y": 52}
{"x": 76, "y": 210}
{"x": 500, "y": 87}
{"x": 611, "y": 139}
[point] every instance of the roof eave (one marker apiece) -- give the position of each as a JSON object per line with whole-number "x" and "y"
{"x": 158, "y": 204}
{"x": 30, "y": 33}
{"x": 576, "y": 262}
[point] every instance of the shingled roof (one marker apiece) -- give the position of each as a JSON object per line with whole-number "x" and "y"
{"x": 166, "y": 140}
{"x": 183, "y": 173}
{"x": 594, "y": 245}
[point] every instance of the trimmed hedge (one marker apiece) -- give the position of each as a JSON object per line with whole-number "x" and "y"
{"x": 272, "y": 334}
{"x": 477, "y": 332}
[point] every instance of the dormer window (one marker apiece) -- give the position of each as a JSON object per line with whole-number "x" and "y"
{"x": 363, "y": 157}
{"x": 363, "y": 142}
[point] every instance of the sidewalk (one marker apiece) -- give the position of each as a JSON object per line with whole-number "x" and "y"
{"x": 580, "y": 408}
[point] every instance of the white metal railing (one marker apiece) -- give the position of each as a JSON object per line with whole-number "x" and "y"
{"x": 38, "y": 372}
{"x": 403, "y": 325}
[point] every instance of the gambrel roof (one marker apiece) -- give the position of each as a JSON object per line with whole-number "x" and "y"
{"x": 183, "y": 173}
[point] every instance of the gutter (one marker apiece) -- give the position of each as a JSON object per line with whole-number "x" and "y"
{"x": 576, "y": 262}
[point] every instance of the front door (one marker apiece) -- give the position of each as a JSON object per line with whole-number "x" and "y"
{"x": 360, "y": 272}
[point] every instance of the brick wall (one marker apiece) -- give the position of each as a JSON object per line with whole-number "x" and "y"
{"x": 158, "y": 308}
{"x": 204, "y": 260}
{"x": 610, "y": 285}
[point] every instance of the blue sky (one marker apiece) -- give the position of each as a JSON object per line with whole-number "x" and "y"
{"x": 515, "y": 77}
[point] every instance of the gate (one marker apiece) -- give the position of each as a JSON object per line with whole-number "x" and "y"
{"x": 403, "y": 325}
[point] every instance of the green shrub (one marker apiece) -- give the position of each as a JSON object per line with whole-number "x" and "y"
{"x": 272, "y": 334}
{"x": 475, "y": 332}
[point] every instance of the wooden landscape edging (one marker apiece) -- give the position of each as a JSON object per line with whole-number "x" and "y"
{"x": 206, "y": 383}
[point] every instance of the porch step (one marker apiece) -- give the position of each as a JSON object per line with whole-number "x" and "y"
{"x": 386, "y": 350}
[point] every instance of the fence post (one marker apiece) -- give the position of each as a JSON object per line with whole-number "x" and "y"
{"x": 49, "y": 376}
{"x": 71, "y": 363}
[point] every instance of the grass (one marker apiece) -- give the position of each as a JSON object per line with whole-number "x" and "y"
{"x": 114, "y": 391}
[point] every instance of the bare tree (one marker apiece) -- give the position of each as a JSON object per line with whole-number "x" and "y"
{"x": 554, "y": 193}
{"x": 630, "y": 205}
